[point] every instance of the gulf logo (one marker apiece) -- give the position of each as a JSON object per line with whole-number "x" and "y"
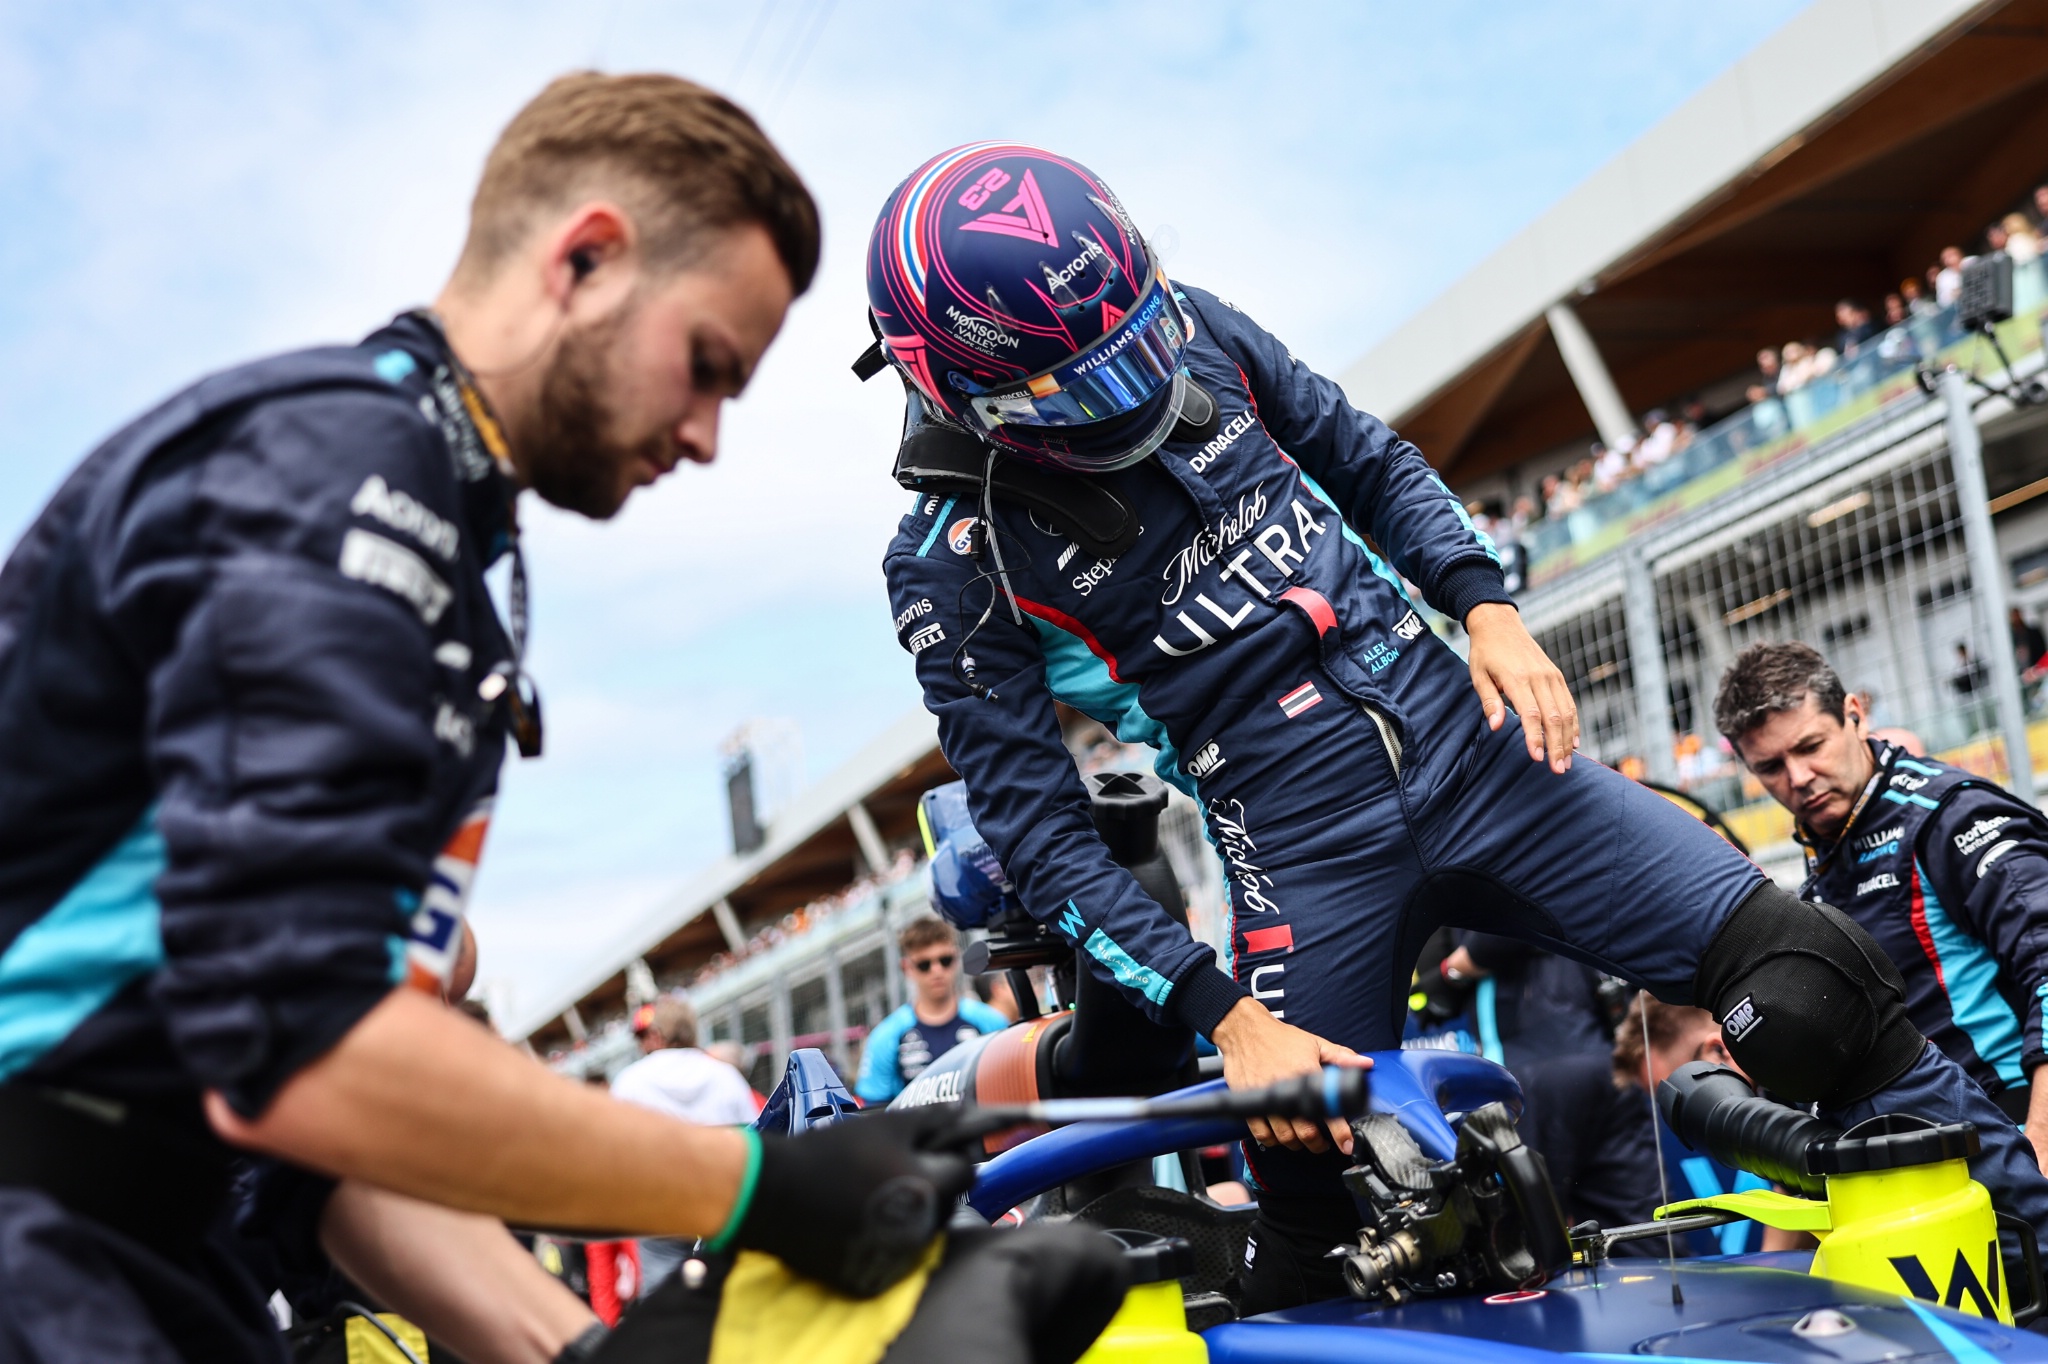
{"x": 960, "y": 535}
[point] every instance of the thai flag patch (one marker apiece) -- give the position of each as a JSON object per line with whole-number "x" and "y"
{"x": 1299, "y": 700}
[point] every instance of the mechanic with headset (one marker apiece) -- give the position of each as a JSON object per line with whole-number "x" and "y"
{"x": 254, "y": 695}
{"x": 1948, "y": 871}
{"x": 1132, "y": 499}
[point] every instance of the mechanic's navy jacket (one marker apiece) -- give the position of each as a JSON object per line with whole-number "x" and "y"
{"x": 244, "y": 759}
{"x": 1253, "y": 567}
{"x": 1949, "y": 873}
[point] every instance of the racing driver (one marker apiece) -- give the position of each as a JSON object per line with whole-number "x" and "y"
{"x": 1134, "y": 500}
{"x": 253, "y": 700}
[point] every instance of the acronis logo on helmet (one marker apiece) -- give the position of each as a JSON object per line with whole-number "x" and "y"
{"x": 969, "y": 886}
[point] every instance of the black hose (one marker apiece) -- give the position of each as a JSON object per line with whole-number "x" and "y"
{"x": 1713, "y": 1109}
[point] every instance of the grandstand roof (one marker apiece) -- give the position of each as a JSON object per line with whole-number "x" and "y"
{"x": 1837, "y": 157}
{"x": 809, "y": 853}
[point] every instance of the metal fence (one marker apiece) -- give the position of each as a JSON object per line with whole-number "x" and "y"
{"x": 1865, "y": 551}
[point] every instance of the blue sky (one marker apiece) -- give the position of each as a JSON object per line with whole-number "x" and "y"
{"x": 186, "y": 185}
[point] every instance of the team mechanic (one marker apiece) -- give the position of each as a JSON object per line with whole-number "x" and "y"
{"x": 1947, "y": 871}
{"x": 1134, "y": 500}
{"x": 253, "y": 701}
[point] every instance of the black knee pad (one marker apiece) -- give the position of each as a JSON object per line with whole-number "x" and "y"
{"x": 1808, "y": 1002}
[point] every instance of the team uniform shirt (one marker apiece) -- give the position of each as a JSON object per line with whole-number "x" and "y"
{"x": 687, "y": 1083}
{"x": 901, "y": 1046}
{"x": 247, "y": 753}
{"x": 1949, "y": 873}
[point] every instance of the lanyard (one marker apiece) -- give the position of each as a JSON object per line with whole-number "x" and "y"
{"x": 472, "y": 430}
{"x": 1816, "y": 860}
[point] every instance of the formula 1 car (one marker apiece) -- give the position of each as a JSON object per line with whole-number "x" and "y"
{"x": 1463, "y": 1256}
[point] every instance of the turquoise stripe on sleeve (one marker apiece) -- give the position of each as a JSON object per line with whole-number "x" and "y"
{"x": 1485, "y": 540}
{"x": 1970, "y": 973}
{"x": 64, "y": 967}
{"x": 938, "y": 524}
{"x": 1129, "y": 973}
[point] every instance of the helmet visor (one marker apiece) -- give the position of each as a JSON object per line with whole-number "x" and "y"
{"x": 1118, "y": 374}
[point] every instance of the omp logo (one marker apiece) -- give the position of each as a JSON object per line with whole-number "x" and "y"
{"x": 1980, "y": 833}
{"x": 921, "y": 607}
{"x": 978, "y": 331}
{"x": 1222, "y": 440}
{"x": 1408, "y": 627}
{"x": 1205, "y": 762}
{"x": 924, "y": 636}
{"x": 1884, "y": 880}
{"x": 1984, "y": 1294}
{"x": 1071, "y": 922}
{"x": 1742, "y": 1020}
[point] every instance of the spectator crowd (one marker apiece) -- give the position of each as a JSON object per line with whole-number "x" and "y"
{"x": 1785, "y": 391}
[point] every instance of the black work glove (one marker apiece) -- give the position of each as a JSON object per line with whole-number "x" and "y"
{"x": 855, "y": 1204}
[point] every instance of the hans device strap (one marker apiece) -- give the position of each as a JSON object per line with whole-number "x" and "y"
{"x": 945, "y": 459}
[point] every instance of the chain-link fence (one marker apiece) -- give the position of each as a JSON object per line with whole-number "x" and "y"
{"x": 1864, "y": 553}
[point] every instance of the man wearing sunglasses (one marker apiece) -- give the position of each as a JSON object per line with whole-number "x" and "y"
{"x": 1133, "y": 500}
{"x": 937, "y": 1018}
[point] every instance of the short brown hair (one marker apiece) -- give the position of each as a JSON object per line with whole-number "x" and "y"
{"x": 926, "y": 930}
{"x": 1765, "y": 679}
{"x": 1667, "y": 1023}
{"x": 686, "y": 162}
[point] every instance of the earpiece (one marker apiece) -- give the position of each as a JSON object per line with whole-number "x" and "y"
{"x": 581, "y": 264}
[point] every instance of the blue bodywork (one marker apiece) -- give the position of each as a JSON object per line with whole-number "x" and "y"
{"x": 1734, "y": 1309}
{"x": 1418, "y": 1087}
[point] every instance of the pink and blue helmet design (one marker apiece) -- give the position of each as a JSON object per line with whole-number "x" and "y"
{"x": 1012, "y": 290}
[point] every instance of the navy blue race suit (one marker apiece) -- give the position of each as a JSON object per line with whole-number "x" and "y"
{"x": 246, "y": 753}
{"x": 1258, "y": 639}
{"x": 1949, "y": 873}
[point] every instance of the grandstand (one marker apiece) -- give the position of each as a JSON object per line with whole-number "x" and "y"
{"x": 1883, "y": 522}
{"x": 1624, "y": 332}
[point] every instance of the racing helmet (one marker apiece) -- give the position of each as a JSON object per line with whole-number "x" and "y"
{"x": 1009, "y": 286}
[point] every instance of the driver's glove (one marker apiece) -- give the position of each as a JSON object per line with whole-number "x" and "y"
{"x": 853, "y": 1205}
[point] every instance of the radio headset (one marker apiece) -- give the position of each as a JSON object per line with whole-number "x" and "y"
{"x": 937, "y": 457}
